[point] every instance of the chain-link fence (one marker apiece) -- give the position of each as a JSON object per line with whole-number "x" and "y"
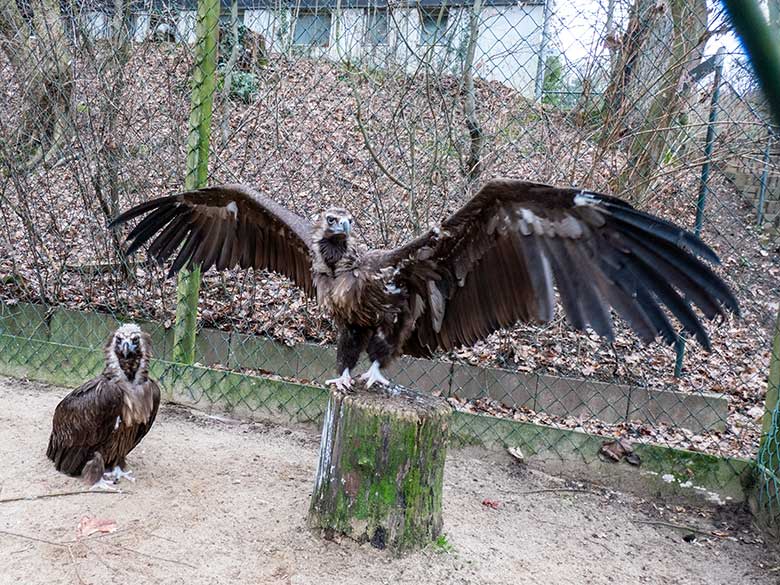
{"x": 399, "y": 111}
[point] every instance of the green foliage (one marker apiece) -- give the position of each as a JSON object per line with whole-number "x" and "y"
{"x": 553, "y": 80}
{"x": 668, "y": 157}
{"x": 442, "y": 545}
{"x": 244, "y": 86}
{"x": 283, "y": 29}
{"x": 227, "y": 40}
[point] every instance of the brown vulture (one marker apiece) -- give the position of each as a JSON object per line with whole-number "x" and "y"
{"x": 100, "y": 422}
{"x": 490, "y": 265}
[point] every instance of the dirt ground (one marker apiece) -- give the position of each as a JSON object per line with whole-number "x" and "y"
{"x": 220, "y": 501}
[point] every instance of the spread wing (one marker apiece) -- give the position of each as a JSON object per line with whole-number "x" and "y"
{"x": 495, "y": 262}
{"x": 83, "y": 421}
{"x": 142, "y": 429}
{"x": 224, "y": 226}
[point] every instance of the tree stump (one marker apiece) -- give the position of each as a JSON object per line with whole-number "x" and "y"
{"x": 381, "y": 467}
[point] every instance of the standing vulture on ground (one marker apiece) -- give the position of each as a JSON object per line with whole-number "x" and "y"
{"x": 490, "y": 265}
{"x": 99, "y": 423}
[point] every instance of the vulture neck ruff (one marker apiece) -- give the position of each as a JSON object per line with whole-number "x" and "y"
{"x": 132, "y": 369}
{"x": 332, "y": 250}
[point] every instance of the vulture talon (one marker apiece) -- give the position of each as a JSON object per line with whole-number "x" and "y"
{"x": 117, "y": 474}
{"x": 342, "y": 383}
{"x": 374, "y": 375}
{"x": 103, "y": 485}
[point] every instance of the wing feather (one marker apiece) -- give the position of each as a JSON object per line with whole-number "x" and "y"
{"x": 144, "y": 428}
{"x": 82, "y": 423}
{"x": 224, "y": 226}
{"x": 499, "y": 257}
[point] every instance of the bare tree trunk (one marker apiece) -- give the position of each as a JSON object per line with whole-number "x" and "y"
{"x": 106, "y": 179}
{"x": 379, "y": 477}
{"x": 646, "y": 97}
{"x": 42, "y": 61}
{"x": 229, "y": 67}
{"x": 472, "y": 123}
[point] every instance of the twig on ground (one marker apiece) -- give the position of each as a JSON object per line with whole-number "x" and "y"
{"x": 59, "y": 495}
{"x": 75, "y": 565}
{"x": 601, "y": 544}
{"x": 33, "y": 538}
{"x": 93, "y": 538}
{"x": 553, "y": 490}
{"x": 682, "y": 527}
{"x": 132, "y": 550}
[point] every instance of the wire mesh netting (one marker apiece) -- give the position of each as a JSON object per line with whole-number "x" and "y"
{"x": 398, "y": 111}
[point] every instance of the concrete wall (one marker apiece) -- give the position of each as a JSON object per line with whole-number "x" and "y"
{"x": 567, "y": 397}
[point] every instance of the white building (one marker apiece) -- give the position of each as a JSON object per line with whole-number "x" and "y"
{"x": 511, "y": 39}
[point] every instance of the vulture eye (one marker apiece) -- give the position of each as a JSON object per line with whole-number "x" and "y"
{"x": 331, "y": 220}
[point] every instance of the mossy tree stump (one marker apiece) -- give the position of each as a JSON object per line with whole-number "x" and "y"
{"x": 381, "y": 467}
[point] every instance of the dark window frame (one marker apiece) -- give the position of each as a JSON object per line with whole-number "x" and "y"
{"x": 369, "y": 39}
{"x": 314, "y": 13}
{"x": 439, "y": 17}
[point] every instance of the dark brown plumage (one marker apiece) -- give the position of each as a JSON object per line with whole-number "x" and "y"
{"x": 98, "y": 424}
{"x": 490, "y": 265}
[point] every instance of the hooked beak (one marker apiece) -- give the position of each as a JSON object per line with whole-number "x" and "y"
{"x": 345, "y": 227}
{"x": 127, "y": 347}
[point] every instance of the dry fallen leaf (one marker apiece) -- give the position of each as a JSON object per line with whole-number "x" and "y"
{"x": 90, "y": 525}
{"x": 619, "y": 449}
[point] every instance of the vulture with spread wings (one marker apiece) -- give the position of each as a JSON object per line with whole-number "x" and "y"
{"x": 493, "y": 263}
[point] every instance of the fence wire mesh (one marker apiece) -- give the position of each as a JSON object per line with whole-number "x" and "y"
{"x": 399, "y": 111}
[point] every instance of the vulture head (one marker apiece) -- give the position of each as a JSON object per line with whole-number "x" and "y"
{"x": 335, "y": 225}
{"x": 331, "y": 234}
{"x": 129, "y": 350}
{"x": 127, "y": 340}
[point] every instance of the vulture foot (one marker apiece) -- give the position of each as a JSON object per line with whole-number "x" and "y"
{"x": 103, "y": 485}
{"x": 373, "y": 375}
{"x": 343, "y": 382}
{"x": 117, "y": 474}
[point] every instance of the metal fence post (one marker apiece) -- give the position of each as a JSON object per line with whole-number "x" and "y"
{"x": 542, "y": 60}
{"x": 764, "y": 177}
{"x": 203, "y": 86}
{"x": 704, "y": 183}
{"x": 773, "y": 384}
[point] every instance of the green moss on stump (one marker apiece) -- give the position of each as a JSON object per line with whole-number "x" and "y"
{"x": 379, "y": 478}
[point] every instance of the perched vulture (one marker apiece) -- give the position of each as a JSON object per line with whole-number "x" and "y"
{"x": 490, "y": 265}
{"x": 99, "y": 423}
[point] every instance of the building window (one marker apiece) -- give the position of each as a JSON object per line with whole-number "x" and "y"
{"x": 433, "y": 25}
{"x": 312, "y": 29}
{"x": 376, "y": 26}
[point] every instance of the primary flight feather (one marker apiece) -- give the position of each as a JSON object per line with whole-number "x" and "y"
{"x": 493, "y": 263}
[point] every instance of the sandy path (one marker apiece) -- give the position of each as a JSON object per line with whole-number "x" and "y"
{"x": 219, "y": 502}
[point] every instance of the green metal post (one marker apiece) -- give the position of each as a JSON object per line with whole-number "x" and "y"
{"x": 703, "y": 183}
{"x": 204, "y": 83}
{"x": 773, "y": 384}
{"x": 763, "y": 45}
